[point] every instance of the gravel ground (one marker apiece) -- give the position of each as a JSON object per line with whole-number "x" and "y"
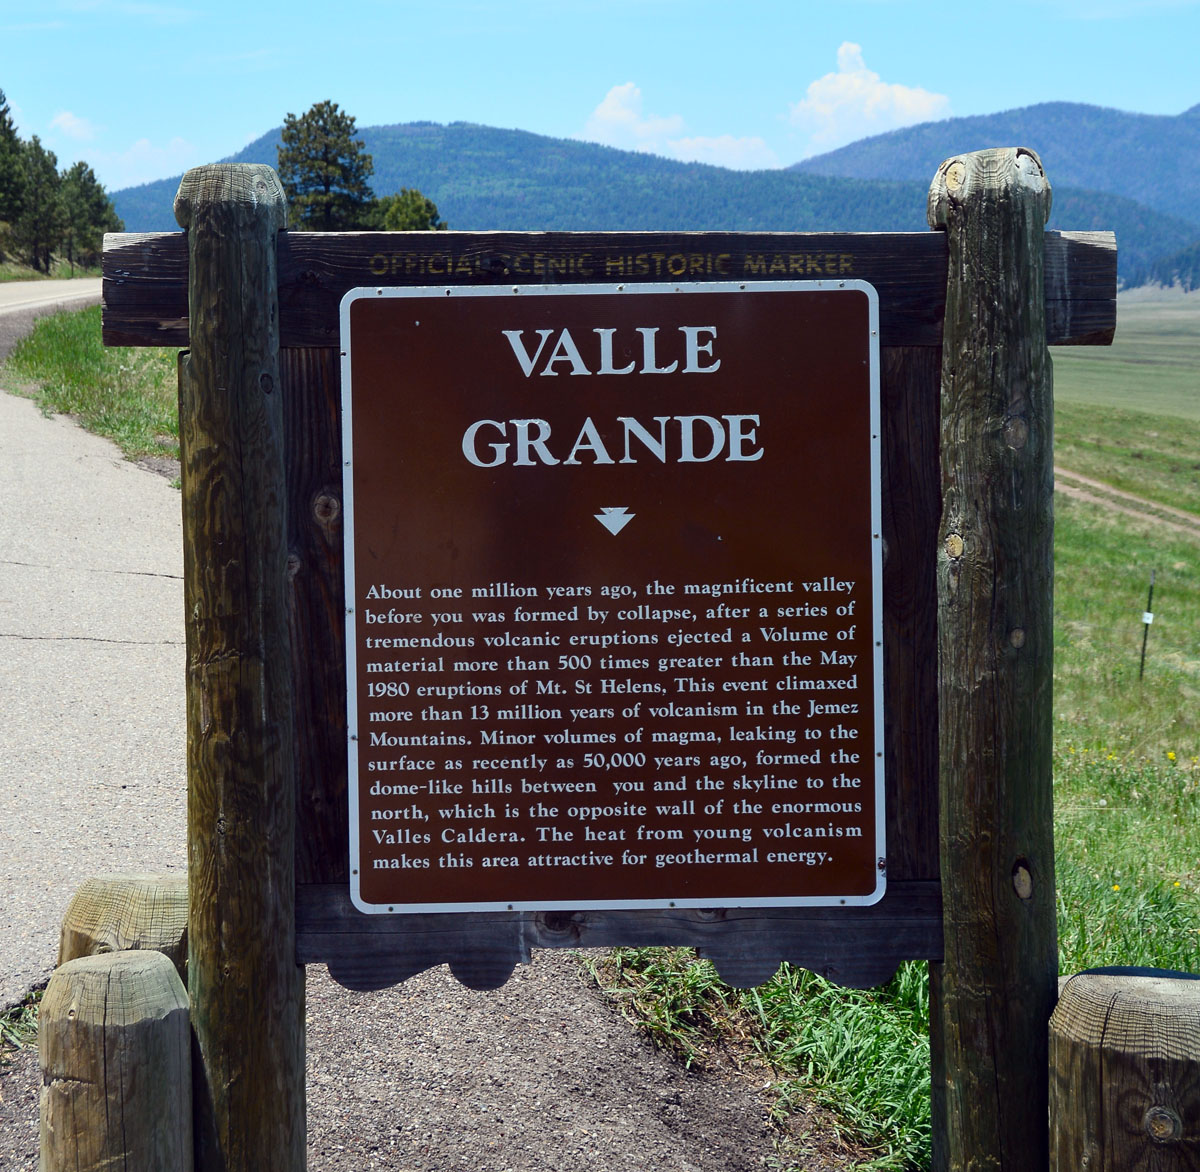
{"x": 541, "y": 1075}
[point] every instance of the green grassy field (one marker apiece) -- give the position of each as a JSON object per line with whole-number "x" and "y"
{"x": 127, "y": 395}
{"x": 11, "y": 271}
{"x": 1126, "y": 754}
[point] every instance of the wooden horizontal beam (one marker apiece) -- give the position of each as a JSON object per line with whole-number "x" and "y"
{"x": 145, "y": 274}
{"x": 859, "y": 946}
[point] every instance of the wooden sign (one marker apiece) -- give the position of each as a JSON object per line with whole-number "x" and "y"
{"x": 613, "y": 591}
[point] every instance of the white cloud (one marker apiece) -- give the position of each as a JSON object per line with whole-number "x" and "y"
{"x": 143, "y": 162}
{"x": 742, "y": 154}
{"x": 619, "y": 121}
{"x": 72, "y": 126}
{"x": 855, "y": 102}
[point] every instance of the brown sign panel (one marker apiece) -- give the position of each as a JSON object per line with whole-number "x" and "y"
{"x": 613, "y": 596}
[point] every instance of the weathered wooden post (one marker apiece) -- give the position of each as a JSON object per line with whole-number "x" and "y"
{"x": 993, "y": 994}
{"x": 113, "y": 913}
{"x": 1125, "y": 1072}
{"x": 247, "y": 991}
{"x": 116, "y": 1066}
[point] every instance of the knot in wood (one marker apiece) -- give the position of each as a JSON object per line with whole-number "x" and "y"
{"x": 954, "y": 546}
{"x": 1163, "y": 1125}
{"x": 955, "y": 174}
{"x": 266, "y": 382}
{"x": 1017, "y": 637}
{"x": 326, "y": 509}
{"x": 559, "y": 923}
{"x": 1016, "y": 433}
{"x": 1022, "y": 880}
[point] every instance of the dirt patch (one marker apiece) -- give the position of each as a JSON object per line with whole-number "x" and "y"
{"x": 540, "y": 1075}
{"x": 160, "y": 465}
{"x": 1096, "y": 492}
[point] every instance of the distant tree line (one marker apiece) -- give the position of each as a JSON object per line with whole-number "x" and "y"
{"x": 1180, "y": 268}
{"x": 325, "y": 172}
{"x": 44, "y": 212}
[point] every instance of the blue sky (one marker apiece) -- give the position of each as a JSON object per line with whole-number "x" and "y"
{"x": 142, "y": 89}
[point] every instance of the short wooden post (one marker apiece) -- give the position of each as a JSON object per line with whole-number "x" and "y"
{"x": 246, "y": 989}
{"x": 1125, "y": 1073}
{"x": 116, "y": 1066}
{"x": 992, "y": 996}
{"x": 112, "y": 913}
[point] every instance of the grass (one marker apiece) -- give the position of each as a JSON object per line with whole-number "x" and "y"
{"x": 10, "y": 270}
{"x": 1151, "y": 366}
{"x": 18, "y": 1025}
{"x": 125, "y": 394}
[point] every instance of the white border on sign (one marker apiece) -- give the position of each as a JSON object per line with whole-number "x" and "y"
{"x": 441, "y": 292}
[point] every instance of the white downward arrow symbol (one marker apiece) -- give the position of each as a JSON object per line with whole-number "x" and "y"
{"x": 614, "y": 520}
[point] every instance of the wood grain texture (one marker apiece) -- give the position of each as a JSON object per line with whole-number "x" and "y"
{"x": 145, "y": 282}
{"x": 311, "y": 384}
{"x": 911, "y": 502}
{"x": 117, "y": 913}
{"x": 854, "y": 946}
{"x": 1125, "y": 1073}
{"x": 996, "y": 988}
{"x": 116, "y": 1066}
{"x": 1081, "y": 288}
{"x": 246, "y": 990}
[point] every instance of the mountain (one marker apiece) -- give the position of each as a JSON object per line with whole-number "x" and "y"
{"x": 1150, "y": 158}
{"x": 1180, "y": 268}
{"x": 483, "y": 178}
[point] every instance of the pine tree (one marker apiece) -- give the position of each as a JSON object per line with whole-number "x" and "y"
{"x": 12, "y": 172}
{"x": 324, "y": 170}
{"x": 38, "y": 227}
{"x": 87, "y": 214}
{"x": 407, "y": 211}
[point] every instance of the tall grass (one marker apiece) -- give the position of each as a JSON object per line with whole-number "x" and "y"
{"x": 128, "y": 395}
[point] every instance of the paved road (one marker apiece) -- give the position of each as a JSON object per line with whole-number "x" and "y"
{"x": 91, "y": 665}
{"x": 15, "y": 295}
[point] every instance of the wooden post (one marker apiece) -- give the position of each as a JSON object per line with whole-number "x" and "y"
{"x": 1125, "y": 1073}
{"x": 113, "y": 913}
{"x": 116, "y": 1066}
{"x": 247, "y": 991}
{"x": 993, "y": 995}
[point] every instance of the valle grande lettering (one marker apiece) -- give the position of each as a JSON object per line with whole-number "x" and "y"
{"x": 684, "y": 439}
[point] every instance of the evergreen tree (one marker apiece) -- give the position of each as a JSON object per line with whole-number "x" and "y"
{"x": 87, "y": 214}
{"x": 407, "y": 211}
{"x": 12, "y": 176}
{"x": 324, "y": 170}
{"x": 38, "y": 226}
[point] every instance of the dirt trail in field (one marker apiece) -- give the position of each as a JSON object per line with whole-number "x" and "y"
{"x": 1096, "y": 492}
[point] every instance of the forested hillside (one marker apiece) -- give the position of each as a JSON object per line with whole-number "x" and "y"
{"x": 1153, "y": 159}
{"x": 483, "y": 178}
